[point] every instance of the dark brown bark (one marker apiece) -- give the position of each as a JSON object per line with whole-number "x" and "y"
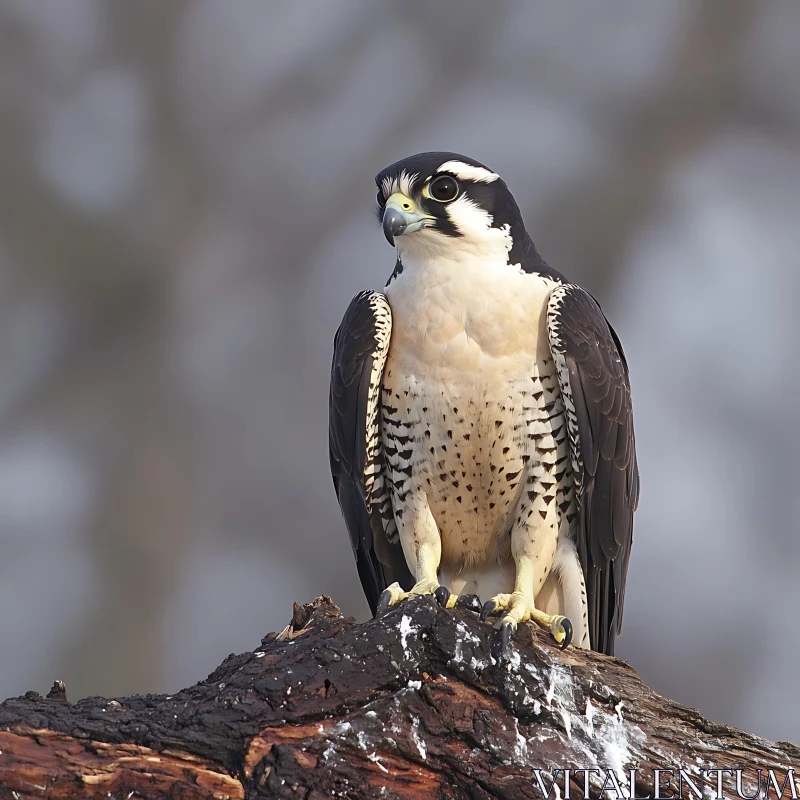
{"x": 413, "y": 704}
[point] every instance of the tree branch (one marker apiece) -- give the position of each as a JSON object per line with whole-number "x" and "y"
{"x": 413, "y": 704}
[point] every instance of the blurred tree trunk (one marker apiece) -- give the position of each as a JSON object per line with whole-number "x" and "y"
{"x": 412, "y": 705}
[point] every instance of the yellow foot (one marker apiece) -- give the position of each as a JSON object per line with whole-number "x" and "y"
{"x": 519, "y": 608}
{"x": 393, "y": 594}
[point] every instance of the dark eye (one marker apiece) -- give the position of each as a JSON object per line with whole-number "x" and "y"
{"x": 443, "y": 189}
{"x": 381, "y": 199}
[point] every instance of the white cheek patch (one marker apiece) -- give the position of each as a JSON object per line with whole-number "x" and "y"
{"x": 469, "y": 218}
{"x": 478, "y": 238}
{"x": 398, "y": 183}
{"x": 466, "y": 172}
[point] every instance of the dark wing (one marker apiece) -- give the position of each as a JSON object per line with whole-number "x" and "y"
{"x": 593, "y": 376}
{"x": 359, "y": 355}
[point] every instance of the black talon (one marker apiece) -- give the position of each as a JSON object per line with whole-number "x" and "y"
{"x": 442, "y": 595}
{"x": 488, "y": 609}
{"x": 384, "y": 603}
{"x": 567, "y": 626}
{"x": 470, "y": 602}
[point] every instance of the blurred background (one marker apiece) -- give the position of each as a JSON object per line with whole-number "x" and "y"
{"x": 186, "y": 208}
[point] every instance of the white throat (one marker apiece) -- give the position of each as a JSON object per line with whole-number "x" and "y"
{"x": 460, "y": 307}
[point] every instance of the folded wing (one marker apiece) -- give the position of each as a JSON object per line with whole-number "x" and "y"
{"x": 593, "y": 377}
{"x": 359, "y": 356}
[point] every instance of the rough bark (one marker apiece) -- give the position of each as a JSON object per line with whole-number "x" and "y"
{"x": 414, "y": 704}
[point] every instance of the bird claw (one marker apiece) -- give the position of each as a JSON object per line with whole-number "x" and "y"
{"x": 389, "y": 597}
{"x": 561, "y": 631}
{"x": 442, "y": 595}
{"x": 518, "y": 609}
{"x": 469, "y": 602}
{"x": 384, "y": 603}
{"x": 502, "y": 639}
{"x": 488, "y": 609}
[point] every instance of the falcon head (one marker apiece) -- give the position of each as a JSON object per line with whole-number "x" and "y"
{"x": 444, "y": 205}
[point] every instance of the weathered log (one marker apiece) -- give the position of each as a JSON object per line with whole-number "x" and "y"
{"x": 411, "y": 705}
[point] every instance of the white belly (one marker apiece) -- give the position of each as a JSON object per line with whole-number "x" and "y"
{"x": 467, "y": 378}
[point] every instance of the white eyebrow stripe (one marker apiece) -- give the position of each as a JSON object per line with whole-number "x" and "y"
{"x": 399, "y": 183}
{"x": 468, "y": 173}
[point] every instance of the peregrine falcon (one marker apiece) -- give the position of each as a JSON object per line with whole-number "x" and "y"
{"x": 481, "y": 434}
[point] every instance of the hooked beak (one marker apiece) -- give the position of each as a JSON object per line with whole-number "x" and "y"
{"x": 401, "y": 215}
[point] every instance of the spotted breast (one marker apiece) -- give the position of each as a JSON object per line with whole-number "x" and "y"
{"x": 472, "y": 418}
